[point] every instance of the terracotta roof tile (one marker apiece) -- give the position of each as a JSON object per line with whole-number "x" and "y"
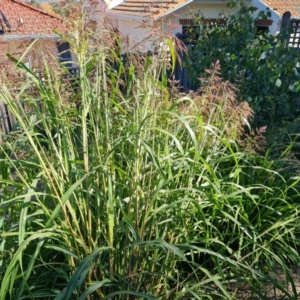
{"x": 26, "y": 19}
{"x": 146, "y": 8}
{"x": 156, "y": 8}
{"x": 281, "y": 6}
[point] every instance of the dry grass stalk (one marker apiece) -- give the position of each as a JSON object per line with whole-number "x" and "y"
{"x": 216, "y": 99}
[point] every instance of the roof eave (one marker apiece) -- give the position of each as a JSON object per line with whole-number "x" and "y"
{"x": 125, "y": 16}
{"x": 176, "y": 8}
{"x": 142, "y": 18}
{"x": 114, "y": 4}
{"x": 38, "y": 9}
{"x": 13, "y": 37}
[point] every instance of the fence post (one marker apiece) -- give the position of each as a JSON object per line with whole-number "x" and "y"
{"x": 3, "y": 119}
{"x": 285, "y": 26}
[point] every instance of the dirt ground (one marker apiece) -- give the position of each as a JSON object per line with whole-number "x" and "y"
{"x": 243, "y": 292}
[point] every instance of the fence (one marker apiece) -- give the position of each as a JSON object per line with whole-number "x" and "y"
{"x": 8, "y": 121}
{"x": 294, "y": 38}
{"x": 292, "y": 26}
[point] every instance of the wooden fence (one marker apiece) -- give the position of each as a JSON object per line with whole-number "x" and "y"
{"x": 8, "y": 121}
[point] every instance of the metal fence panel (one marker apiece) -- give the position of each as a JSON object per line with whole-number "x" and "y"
{"x": 294, "y": 38}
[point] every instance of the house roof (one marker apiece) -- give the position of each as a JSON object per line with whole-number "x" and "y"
{"x": 281, "y": 6}
{"x": 26, "y": 19}
{"x": 146, "y": 8}
{"x": 157, "y": 8}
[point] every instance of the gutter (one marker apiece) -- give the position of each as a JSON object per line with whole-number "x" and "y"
{"x": 213, "y": 1}
{"x": 113, "y": 5}
{"x": 176, "y": 8}
{"x": 13, "y": 37}
{"x": 126, "y": 17}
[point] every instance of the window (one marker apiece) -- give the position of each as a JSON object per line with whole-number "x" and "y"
{"x": 262, "y": 29}
{"x": 65, "y": 54}
{"x": 190, "y": 33}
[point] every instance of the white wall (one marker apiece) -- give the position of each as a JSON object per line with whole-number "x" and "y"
{"x": 212, "y": 11}
{"x": 137, "y": 35}
{"x": 209, "y": 11}
{"x": 143, "y": 35}
{"x": 275, "y": 27}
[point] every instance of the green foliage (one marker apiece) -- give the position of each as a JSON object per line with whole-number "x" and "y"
{"x": 116, "y": 188}
{"x": 35, "y": 3}
{"x": 265, "y": 71}
{"x": 66, "y": 8}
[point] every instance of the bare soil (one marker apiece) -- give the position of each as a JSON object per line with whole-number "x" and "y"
{"x": 244, "y": 292}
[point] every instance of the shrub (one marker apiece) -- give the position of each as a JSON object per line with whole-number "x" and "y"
{"x": 264, "y": 70}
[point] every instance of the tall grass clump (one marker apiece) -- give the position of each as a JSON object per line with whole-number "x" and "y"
{"x": 113, "y": 186}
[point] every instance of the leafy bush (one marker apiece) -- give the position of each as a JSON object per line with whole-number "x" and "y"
{"x": 264, "y": 70}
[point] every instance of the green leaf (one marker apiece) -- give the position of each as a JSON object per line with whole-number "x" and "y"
{"x": 60, "y": 249}
{"x": 94, "y": 287}
{"x": 63, "y": 200}
{"x": 267, "y": 47}
{"x": 137, "y": 294}
{"x": 82, "y": 267}
{"x": 9, "y": 276}
{"x": 278, "y": 82}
